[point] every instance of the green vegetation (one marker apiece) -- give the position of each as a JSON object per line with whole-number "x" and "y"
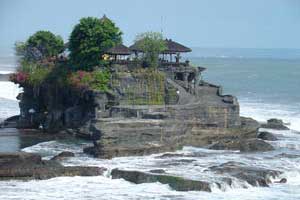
{"x": 96, "y": 80}
{"x": 41, "y": 45}
{"x": 151, "y": 43}
{"x": 85, "y": 69}
{"x": 31, "y": 74}
{"x": 149, "y": 89}
{"x": 90, "y": 39}
{"x": 88, "y": 42}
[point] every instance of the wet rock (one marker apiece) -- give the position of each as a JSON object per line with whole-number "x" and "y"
{"x": 21, "y": 158}
{"x": 286, "y": 155}
{"x": 226, "y": 145}
{"x": 158, "y": 171}
{"x": 254, "y": 145}
{"x": 155, "y": 115}
{"x": 276, "y": 124}
{"x": 248, "y": 145}
{"x": 10, "y": 122}
{"x": 176, "y": 183}
{"x": 255, "y": 176}
{"x": 283, "y": 180}
{"x": 176, "y": 155}
{"x": 63, "y": 155}
{"x": 171, "y": 155}
{"x": 267, "y": 136}
{"x": 247, "y": 122}
{"x": 30, "y": 166}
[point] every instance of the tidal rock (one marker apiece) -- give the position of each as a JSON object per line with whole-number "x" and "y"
{"x": 247, "y": 122}
{"x": 157, "y": 171}
{"x": 63, "y": 155}
{"x": 176, "y": 183}
{"x": 286, "y": 155}
{"x": 276, "y": 124}
{"x": 247, "y": 145}
{"x": 31, "y": 166}
{"x": 267, "y": 136}
{"x": 255, "y": 176}
{"x": 10, "y": 122}
{"x": 226, "y": 145}
{"x": 253, "y": 145}
{"x": 173, "y": 155}
{"x": 283, "y": 180}
{"x": 155, "y": 115}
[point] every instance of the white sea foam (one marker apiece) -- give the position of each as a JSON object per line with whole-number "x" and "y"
{"x": 6, "y": 72}
{"x": 9, "y": 90}
{"x": 290, "y": 114}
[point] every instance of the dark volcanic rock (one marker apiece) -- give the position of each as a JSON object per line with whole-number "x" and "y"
{"x": 276, "y": 124}
{"x": 247, "y": 122}
{"x": 10, "y": 122}
{"x": 267, "y": 136}
{"x": 30, "y": 166}
{"x": 286, "y": 155}
{"x": 248, "y": 145}
{"x": 157, "y": 171}
{"x": 255, "y": 176}
{"x": 172, "y": 155}
{"x": 226, "y": 145}
{"x": 21, "y": 158}
{"x": 283, "y": 180}
{"x": 253, "y": 145}
{"x": 177, "y": 183}
{"x": 155, "y": 115}
{"x": 63, "y": 155}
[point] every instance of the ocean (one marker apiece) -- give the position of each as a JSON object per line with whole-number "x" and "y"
{"x": 266, "y": 82}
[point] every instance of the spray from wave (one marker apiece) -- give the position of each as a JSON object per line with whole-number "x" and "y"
{"x": 290, "y": 114}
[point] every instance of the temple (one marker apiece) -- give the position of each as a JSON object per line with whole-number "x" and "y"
{"x": 170, "y": 62}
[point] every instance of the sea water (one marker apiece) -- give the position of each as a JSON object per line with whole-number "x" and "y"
{"x": 266, "y": 83}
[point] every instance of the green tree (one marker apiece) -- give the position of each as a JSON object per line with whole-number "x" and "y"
{"x": 151, "y": 43}
{"x": 90, "y": 39}
{"x": 42, "y": 44}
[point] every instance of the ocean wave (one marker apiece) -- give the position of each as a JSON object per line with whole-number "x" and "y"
{"x": 6, "y": 72}
{"x": 260, "y": 111}
{"x": 9, "y": 90}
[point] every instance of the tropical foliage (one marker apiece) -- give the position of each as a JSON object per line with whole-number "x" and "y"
{"x": 151, "y": 43}
{"x": 30, "y": 74}
{"x": 41, "y": 45}
{"x": 90, "y": 39}
{"x": 97, "y": 80}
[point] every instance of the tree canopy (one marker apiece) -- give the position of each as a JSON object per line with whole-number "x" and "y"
{"x": 151, "y": 43}
{"x": 90, "y": 39}
{"x": 42, "y": 44}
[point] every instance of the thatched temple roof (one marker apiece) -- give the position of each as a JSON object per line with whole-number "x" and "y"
{"x": 175, "y": 47}
{"x": 119, "y": 50}
{"x": 172, "y": 47}
{"x": 135, "y": 46}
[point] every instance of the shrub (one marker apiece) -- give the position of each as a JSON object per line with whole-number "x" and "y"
{"x": 38, "y": 76}
{"x": 30, "y": 74}
{"x": 151, "y": 43}
{"x": 19, "y": 77}
{"x": 96, "y": 80}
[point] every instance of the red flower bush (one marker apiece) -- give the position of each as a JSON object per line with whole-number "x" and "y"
{"x": 97, "y": 80}
{"x": 80, "y": 79}
{"x": 19, "y": 77}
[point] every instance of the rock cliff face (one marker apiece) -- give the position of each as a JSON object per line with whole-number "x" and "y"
{"x": 138, "y": 116}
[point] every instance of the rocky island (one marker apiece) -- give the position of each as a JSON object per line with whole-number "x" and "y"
{"x": 130, "y": 101}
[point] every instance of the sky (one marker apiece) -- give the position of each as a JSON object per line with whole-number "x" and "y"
{"x": 195, "y": 23}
